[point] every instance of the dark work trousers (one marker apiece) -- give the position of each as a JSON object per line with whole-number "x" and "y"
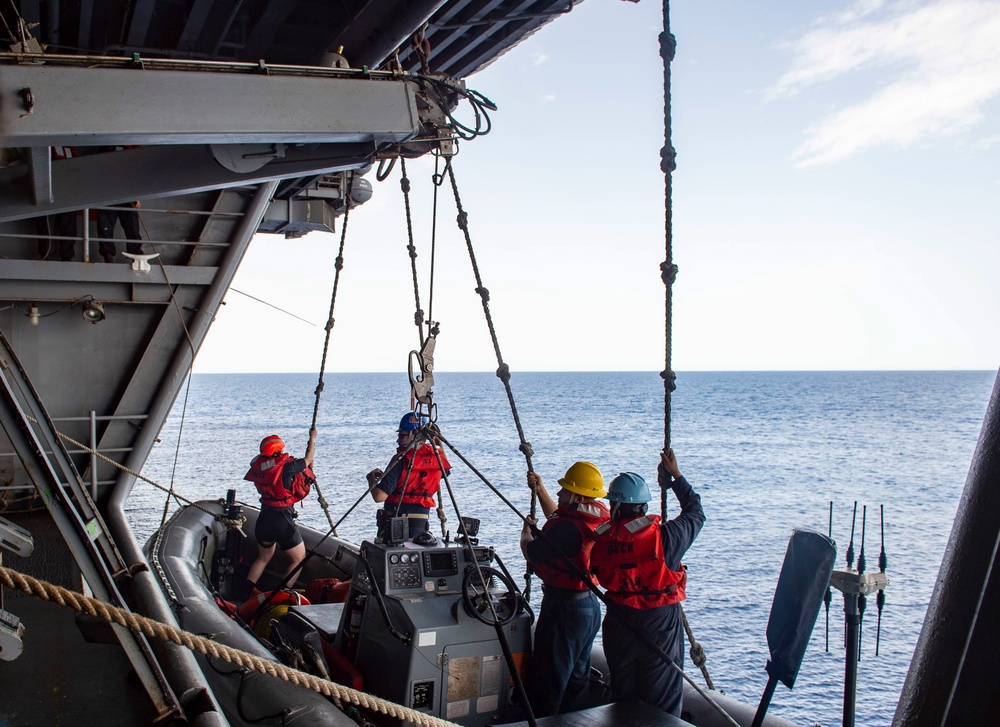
{"x": 129, "y": 219}
{"x": 61, "y": 225}
{"x": 638, "y": 672}
{"x": 568, "y": 621}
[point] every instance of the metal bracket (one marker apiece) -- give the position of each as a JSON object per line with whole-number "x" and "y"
{"x": 421, "y": 385}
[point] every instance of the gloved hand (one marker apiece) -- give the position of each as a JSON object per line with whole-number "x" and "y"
{"x": 528, "y": 532}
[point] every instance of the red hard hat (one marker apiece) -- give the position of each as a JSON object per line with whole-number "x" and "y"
{"x": 271, "y": 445}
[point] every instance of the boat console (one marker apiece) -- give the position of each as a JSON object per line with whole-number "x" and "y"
{"x": 420, "y": 628}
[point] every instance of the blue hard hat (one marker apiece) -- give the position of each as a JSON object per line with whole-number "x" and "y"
{"x": 411, "y": 421}
{"x": 630, "y": 488}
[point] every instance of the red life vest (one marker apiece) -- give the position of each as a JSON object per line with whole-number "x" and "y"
{"x": 628, "y": 561}
{"x": 585, "y": 517}
{"x": 276, "y": 490}
{"x": 423, "y": 477}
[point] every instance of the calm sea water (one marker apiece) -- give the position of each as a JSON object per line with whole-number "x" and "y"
{"x": 767, "y": 452}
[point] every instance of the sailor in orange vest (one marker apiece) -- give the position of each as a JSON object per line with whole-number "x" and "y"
{"x": 282, "y": 481}
{"x": 637, "y": 558}
{"x": 408, "y": 487}
{"x": 570, "y": 613}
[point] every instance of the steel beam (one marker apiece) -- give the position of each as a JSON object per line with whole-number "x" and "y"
{"x": 113, "y": 106}
{"x": 83, "y": 529}
{"x": 100, "y": 180}
{"x": 182, "y": 669}
{"x": 40, "y": 166}
{"x": 41, "y": 273}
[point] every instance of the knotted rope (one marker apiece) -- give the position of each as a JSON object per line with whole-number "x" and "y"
{"x": 338, "y": 265}
{"x": 151, "y": 628}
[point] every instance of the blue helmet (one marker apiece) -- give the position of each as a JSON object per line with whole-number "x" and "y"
{"x": 630, "y": 488}
{"x": 411, "y": 421}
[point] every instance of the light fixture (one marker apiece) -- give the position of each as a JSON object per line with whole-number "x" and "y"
{"x": 93, "y": 311}
{"x": 33, "y": 315}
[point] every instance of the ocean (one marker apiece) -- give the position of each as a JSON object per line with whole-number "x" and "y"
{"x": 767, "y": 452}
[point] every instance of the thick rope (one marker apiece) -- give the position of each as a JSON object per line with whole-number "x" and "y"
{"x": 442, "y": 515}
{"x": 339, "y": 265}
{"x": 503, "y": 370}
{"x": 150, "y": 628}
{"x": 697, "y": 651}
{"x": 668, "y": 274}
{"x": 668, "y": 271}
{"x": 418, "y": 313}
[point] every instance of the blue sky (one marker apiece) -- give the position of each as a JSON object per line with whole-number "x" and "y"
{"x": 835, "y": 203}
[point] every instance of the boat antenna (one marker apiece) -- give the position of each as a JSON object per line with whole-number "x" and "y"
{"x": 850, "y": 547}
{"x": 856, "y": 585}
{"x": 882, "y": 563}
{"x": 828, "y": 598}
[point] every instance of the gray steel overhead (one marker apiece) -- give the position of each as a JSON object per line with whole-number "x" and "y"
{"x": 464, "y": 35}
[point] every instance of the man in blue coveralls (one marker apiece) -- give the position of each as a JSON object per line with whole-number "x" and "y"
{"x": 570, "y": 614}
{"x": 637, "y": 558}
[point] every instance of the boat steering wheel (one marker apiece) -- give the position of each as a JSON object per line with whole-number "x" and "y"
{"x": 477, "y": 597}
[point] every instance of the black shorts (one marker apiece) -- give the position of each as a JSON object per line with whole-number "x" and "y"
{"x": 277, "y": 525}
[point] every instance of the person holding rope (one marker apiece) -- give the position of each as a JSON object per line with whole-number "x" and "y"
{"x": 570, "y": 613}
{"x": 282, "y": 481}
{"x": 637, "y": 558}
{"x": 411, "y": 480}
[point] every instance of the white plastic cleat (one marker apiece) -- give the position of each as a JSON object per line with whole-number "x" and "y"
{"x": 140, "y": 263}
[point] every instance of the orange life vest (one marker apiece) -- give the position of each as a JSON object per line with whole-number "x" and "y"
{"x": 585, "y": 517}
{"x": 628, "y": 560}
{"x": 277, "y": 490}
{"x": 423, "y": 477}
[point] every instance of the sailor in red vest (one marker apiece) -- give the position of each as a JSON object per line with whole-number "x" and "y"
{"x": 61, "y": 225}
{"x": 570, "y": 613}
{"x": 282, "y": 481}
{"x": 637, "y": 558}
{"x": 409, "y": 486}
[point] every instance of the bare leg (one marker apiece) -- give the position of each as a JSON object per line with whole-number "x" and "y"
{"x": 264, "y": 555}
{"x": 295, "y": 556}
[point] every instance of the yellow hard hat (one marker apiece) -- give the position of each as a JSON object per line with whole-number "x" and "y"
{"x": 583, "y": 478}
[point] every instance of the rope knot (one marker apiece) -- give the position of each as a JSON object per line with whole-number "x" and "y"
{"x": 698, "y": 655}
{"x": 668, "y": 159}
{"x": 668, "y": 272}
{"x": 668, "y": 46}
{"x": 670, "y": 378}
{"x": 503, "y": 372}
{"x": 526, "y": 449}
{"x": 339, "y": 263}
{"x": 418, "y": 318}
{"x": 413, "y": 251}
{"x": 329, "y": 325}
{"x": 405, "y": 184}
{"x": 463, "y": 221}
{"x": 319, "y": 388}
{"x": 484, "y": 294}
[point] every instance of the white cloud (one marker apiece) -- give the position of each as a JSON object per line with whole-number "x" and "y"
{"x": 937, "y": 62}
{"x": 538, "y": 58}
{"x": 990, "y": 142}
